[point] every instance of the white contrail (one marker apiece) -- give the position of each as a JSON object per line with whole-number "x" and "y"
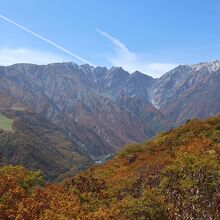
{"x": 45, "y": 39}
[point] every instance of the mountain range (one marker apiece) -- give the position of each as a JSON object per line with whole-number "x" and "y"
{"x": 99, "y": 110}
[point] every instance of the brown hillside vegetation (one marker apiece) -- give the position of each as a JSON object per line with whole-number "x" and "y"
{"x": 33, "y": 142}
{"x": 176, "y": 175}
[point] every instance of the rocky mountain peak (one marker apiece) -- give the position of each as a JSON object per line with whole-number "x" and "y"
{"x": 118, "y": 72}
{"x": 141, "y": 76}
{"x": 209, "y": 66}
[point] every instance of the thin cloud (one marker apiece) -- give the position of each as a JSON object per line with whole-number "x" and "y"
{"x": 45, "y": 40}
{"x": 133, "y": 61}
{"x": 118, "y": 43}
{"x": 25, "y": 55}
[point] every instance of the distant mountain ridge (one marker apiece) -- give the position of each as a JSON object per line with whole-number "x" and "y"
{"x": 103, "y": 109}
{"x": 189, "y": 91}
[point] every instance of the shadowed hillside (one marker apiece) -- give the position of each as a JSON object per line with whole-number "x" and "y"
{"x": 37, "y": 144}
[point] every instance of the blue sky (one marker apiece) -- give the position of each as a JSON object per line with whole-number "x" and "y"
{"x": 152, "y": 36}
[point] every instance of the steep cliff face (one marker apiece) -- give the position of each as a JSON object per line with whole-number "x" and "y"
{"x": 135, "y": 96}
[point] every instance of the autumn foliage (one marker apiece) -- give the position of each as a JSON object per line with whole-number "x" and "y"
{"x": 176, "y": 175}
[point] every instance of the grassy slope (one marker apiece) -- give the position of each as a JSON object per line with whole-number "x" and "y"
{"x": 144, "y": 180}
{"x": 5, "y": 123}
{"x": 147, "y": 159}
